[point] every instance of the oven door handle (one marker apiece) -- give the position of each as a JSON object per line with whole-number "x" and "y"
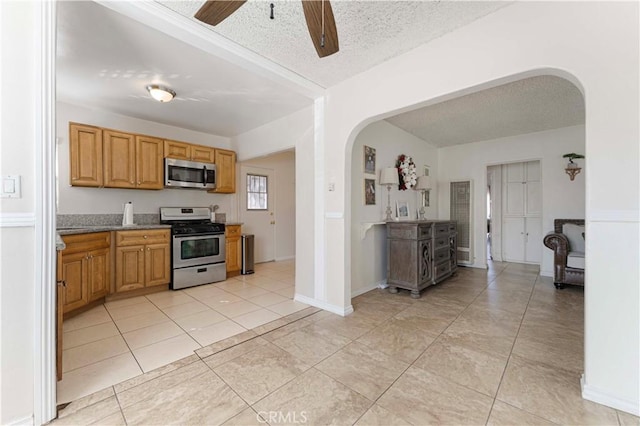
{"x": 199, "y": 235}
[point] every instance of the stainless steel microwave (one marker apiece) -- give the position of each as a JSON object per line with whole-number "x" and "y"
{"x": 189, "y": 174}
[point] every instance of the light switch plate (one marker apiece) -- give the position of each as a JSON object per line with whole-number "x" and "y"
{"x": 10, "y": 187}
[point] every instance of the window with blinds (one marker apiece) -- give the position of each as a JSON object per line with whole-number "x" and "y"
{"x": 257, "y": 196}
{"x": 460, "y": 196}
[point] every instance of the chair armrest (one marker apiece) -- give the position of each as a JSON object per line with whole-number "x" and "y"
{"x": 557, "y": 242}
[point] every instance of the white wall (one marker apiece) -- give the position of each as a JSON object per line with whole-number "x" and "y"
{"x": 76, "y": 200}
{"x": 369, "y": 254}
{"x": 19, "y": 77}
{"x": 561, "y": 197}
{"x": 593, "y": 44}
{"x": 284, "y": 166}
{"x": 292, "y": 132}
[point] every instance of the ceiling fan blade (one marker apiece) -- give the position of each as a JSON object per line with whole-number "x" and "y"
{"x": 313, "y": 14}
{"x": 215, "y": 11}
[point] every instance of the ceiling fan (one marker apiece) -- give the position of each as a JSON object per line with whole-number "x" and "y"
{"x": 318, "y": 14}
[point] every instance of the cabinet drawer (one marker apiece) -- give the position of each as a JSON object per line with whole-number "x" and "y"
{"x": 442, "y": 269}
{"x": 452, "y": 227}
{"x": 442, "y": 229}
{"x": 441, "y": 255}
{"x": 85, "y": 242}
{"x": 441, "y": 242}
{"x": 143, "y": 236}
{"x": 424, "y": 231}
{"x": 232, "y": 230}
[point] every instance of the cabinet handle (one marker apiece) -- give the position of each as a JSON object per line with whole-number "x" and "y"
{"x": 62, "y": 283}
{"x": 145, "y": 237}
{"x": 142, "y": 249}
{"x": 148, "y": 248}
{"x": 139, "y": 182}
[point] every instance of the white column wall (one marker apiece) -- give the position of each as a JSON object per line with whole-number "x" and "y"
{"x": 594, "y": 45}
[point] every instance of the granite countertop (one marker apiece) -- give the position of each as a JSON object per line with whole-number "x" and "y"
{"x": 82, "y": 229}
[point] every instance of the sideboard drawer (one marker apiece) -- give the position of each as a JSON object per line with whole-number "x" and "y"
{"x": 441, "y": 242}
{"x": 441, "y": 255}
{"x": 442, "y": 269}
{"x": 424, "y": 231}
{"x": 441, "y": 229}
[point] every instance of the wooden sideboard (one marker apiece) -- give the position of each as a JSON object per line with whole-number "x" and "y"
{"x": 420, "y": 253}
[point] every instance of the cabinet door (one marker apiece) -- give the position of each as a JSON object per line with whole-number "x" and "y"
{"x": 119, "y": 160}
{"x": 149, "y": 170}
{"x": 85, "y": 149}
{"x": 533, "y": 240}
{"x": 98, "y": 273}
{"x": 513, "y": 239}
{"x": 129, "y": 268}
{"x": 157, "y": 264}
{"x": 226, "y": 171}
{"x": 203, "y": 154}
{"x": 74, "y": 274}
{"x": 233, "y": 253}
{"x": 425, "y": 262}
{"x": 514, "y": 187}
{"x": 175, "y": 149}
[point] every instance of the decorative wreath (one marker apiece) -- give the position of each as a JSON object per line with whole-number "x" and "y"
{"x": 407, "y": 175}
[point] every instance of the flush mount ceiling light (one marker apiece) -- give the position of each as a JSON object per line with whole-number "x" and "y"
{"x": 161, "y": 93}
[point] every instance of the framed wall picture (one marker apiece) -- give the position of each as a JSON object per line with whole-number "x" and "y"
{"x": 402, "y": 210}
{"x": 369, "y": 192}
{"x": 369, "y": 160}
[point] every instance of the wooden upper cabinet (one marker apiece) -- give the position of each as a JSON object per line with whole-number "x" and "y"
{"x": 149, "y": 155}
{"x": 177, "y": 150}
{"x": 226, "y": 171}
{"x": 203, "y": 154}
{"x": 119, "y": 159}
{"x": 85, "y": 149}
{"x": 132, "y": 161}
{"x": 189, "y": 151}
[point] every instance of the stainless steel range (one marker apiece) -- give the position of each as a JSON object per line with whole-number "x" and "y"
{"x": 198, "y": 249}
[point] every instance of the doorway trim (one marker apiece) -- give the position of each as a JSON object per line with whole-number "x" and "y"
{"x": 44, "y": 368}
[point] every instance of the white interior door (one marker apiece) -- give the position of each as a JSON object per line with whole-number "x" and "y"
{"x": 257, "y": 207}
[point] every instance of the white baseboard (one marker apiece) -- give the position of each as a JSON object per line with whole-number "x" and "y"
{"x": 546, "y": 273}
{"x": 25, "y": 421}
{"x": 279, "y": 259}
{"x": 599, "y": 396}
{"x": 379, "y": 284}
{"x": 324, "y": 305}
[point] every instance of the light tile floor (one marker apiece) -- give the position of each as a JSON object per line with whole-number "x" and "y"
{"x": 125, "y": 338}
{"x": 499, "y": 347}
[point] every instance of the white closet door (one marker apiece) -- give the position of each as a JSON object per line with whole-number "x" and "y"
{"x": 533, "y": 240}
{"x": 533, "y": 186}
{"x": 513, "y": 244}
{"x": 514, "y": 189}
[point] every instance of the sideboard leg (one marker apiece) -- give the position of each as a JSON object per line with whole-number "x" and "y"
{"x": 393, "y": 290}
{"x": 415, "y": 294}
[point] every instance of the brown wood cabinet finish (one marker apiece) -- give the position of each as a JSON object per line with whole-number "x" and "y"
{"x": 233, "y": 248}
{"x": 119, "y": 159}
{"x": 143, "y": 259}
{"x": 420, "y": 254}
{"x": 226, "y": 172}
{"x": 189, "y": 151}
{"x": 85, "y": 269}
{"x": 85, "y": 155}
{"x": 149, "y": 167}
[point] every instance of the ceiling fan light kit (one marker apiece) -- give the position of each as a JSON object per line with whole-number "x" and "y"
{"x": 161, "y": 93}
{"x": 318, "y": 14}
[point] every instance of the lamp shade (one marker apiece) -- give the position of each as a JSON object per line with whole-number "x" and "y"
{"x": 389, "y": 176}
{"x": 161, "y": 93}
{"x": 423, "y": 183}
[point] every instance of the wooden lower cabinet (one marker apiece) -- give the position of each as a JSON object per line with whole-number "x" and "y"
{"x": 143, "y": 259}
{"x": 233, "y": 248}
{"x": 85, "y": 269}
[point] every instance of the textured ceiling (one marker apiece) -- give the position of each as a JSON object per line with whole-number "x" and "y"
{"x": 525, "y": 106}
{"x": 370, "y": 32}
{"x": 105, "y": 60}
